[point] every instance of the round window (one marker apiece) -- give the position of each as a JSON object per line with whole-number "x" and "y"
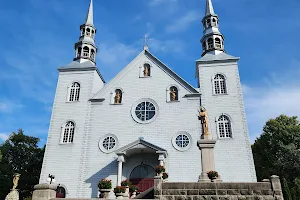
{"x": 144, "y": 111}
{"x": 181, "y": 141}
{"x": 108, "y": 143}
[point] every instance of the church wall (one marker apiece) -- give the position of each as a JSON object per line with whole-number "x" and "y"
{"x": 116, "y": 119}
{"x": 233, "y": 156}
{"x": 65, "y": 160}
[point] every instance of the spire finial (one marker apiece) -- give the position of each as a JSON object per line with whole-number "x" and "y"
{"x": 89, "y": 17}
{"x": 209, "y": 8}
{"x": 146, "y": 40}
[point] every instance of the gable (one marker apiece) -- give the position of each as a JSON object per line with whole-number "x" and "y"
{"x": 161, "y": 73}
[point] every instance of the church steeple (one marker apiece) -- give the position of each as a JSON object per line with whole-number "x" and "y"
{"x": 212, "y": 40}
{"x": 85, "y": 48}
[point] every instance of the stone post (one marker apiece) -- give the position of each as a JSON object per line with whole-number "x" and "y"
{"x": 44, "y": 191}
{"x": 157, "y": 187}
{"x": 206, "y": 147}
{"x": 276, "y": 187}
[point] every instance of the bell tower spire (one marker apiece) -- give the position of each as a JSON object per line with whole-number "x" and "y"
{"x": 85, "y": 48}
{"x": 212, "y": 40}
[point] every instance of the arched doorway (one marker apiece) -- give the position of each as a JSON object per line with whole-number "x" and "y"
{"x": 143, "y": 177}
{"x": 60, "y": 192}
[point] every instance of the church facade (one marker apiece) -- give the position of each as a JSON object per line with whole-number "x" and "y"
{"x": 145, "y": 116}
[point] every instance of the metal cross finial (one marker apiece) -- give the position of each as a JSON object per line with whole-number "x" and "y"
{"x": 146, "y": 40}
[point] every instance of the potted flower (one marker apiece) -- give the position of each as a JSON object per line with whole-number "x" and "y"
{"x": 133, "y": 189}
{"x": 212, "y": 175}
{"x": 165, "y": 175}
{"x": 119, "y": 191}
{"x": 104, "y": 187}
{"x": 159, "y": 170}
{"x": 126, "y": 184}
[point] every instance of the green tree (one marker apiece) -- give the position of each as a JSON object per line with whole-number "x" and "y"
{"x": 20, "y": 154}
{"x": 277, "y": 151}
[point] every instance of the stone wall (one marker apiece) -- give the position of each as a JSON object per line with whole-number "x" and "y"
{"x": 270, "y": 190}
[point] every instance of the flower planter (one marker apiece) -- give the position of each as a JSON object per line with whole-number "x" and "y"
{"x": 133, "y": 195}
{"x": 119, "y": 195}
{"x": 104, "y": 193}
{"x": 213, "y": 179}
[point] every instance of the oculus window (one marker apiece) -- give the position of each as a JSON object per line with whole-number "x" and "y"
{"x": 108, "y": 143}
{"x": 181, "y": 141}
{"x": 144, "y": 111}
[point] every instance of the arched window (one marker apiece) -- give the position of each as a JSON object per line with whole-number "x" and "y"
{"x": 86, "y": 51}
{"x": 218, "y": 42}
{"x": 147, "y": 70}
{"x": 173, "y": 93}
{"x": 118, "y": 96}
{"x": 60, "y": 192}
{"x": 214, "y": 22}
{"x": 83, "y": 31}
{"x": 208, "y": 22}
{"x": 74, "y": 92}
{"x": 93, "y": 33}
{"x": 88, "y": 31}
{"x": 224, "y": 127}
{"x": 68, "y": 132}
{"x": 219, "y": 84}
{"x": 92, "y": 54}
{"x": 210, "y": 43}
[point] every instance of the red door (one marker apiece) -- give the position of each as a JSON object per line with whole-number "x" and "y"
{"x": 143, "y": 177}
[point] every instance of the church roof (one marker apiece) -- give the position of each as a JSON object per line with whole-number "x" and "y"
{"x": 219, "y": 57}
{"x": 76, "y": 66}
{"x": 138, "y": 144}
{"x": 171, "y": 72}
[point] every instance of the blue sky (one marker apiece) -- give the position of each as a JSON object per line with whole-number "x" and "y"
{"x": 38, "y": 36}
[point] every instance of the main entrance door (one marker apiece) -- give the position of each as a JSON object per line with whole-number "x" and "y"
{"x": 143, "y": 177}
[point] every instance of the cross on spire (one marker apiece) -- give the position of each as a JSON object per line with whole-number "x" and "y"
{"x": 146, "y": 40}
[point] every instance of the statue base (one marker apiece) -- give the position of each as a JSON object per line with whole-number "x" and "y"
{"x": 44, "y": 191}
{"x": 13, "y": 195}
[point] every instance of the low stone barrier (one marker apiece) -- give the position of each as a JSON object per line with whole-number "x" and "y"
{"x": 270, "y": 190}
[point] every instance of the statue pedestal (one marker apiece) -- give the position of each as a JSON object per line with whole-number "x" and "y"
{"x": 206, "y": 147}
{"x": 44, "y": 191}
{"x": 13, "y": 195}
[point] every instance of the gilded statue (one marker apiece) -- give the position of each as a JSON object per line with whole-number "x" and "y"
{"x": 118, "y": 98}
{"x": 173, "y": 95}
{"x": 16, "y": 180}
{"x": 146, "y": 71}
{"x": 204, "y": 120}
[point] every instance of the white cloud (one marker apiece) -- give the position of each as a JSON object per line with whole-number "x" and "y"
{"x": 183, "y": 23}
{"x": 279, "y": 95}
{"x": 4, "y": 136}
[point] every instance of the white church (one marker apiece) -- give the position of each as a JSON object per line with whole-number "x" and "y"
{"x": 145, "y": 116}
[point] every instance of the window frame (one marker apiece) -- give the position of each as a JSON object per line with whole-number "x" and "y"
{"x": 63, "y": 128}
{"x": 178, "y": 147}
{"x": 229, "y": 121}
{"x": 70, "y": 90}
{"x": 219, "y": 84}
{"x": 103, "y": 149}
{"x": 133, "y": 109}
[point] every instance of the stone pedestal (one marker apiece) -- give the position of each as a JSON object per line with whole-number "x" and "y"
{"x": 206, "y": 147}
{"x": 44, "y": 191}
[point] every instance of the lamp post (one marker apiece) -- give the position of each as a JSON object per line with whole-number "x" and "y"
{"x": 51, "y": 178}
